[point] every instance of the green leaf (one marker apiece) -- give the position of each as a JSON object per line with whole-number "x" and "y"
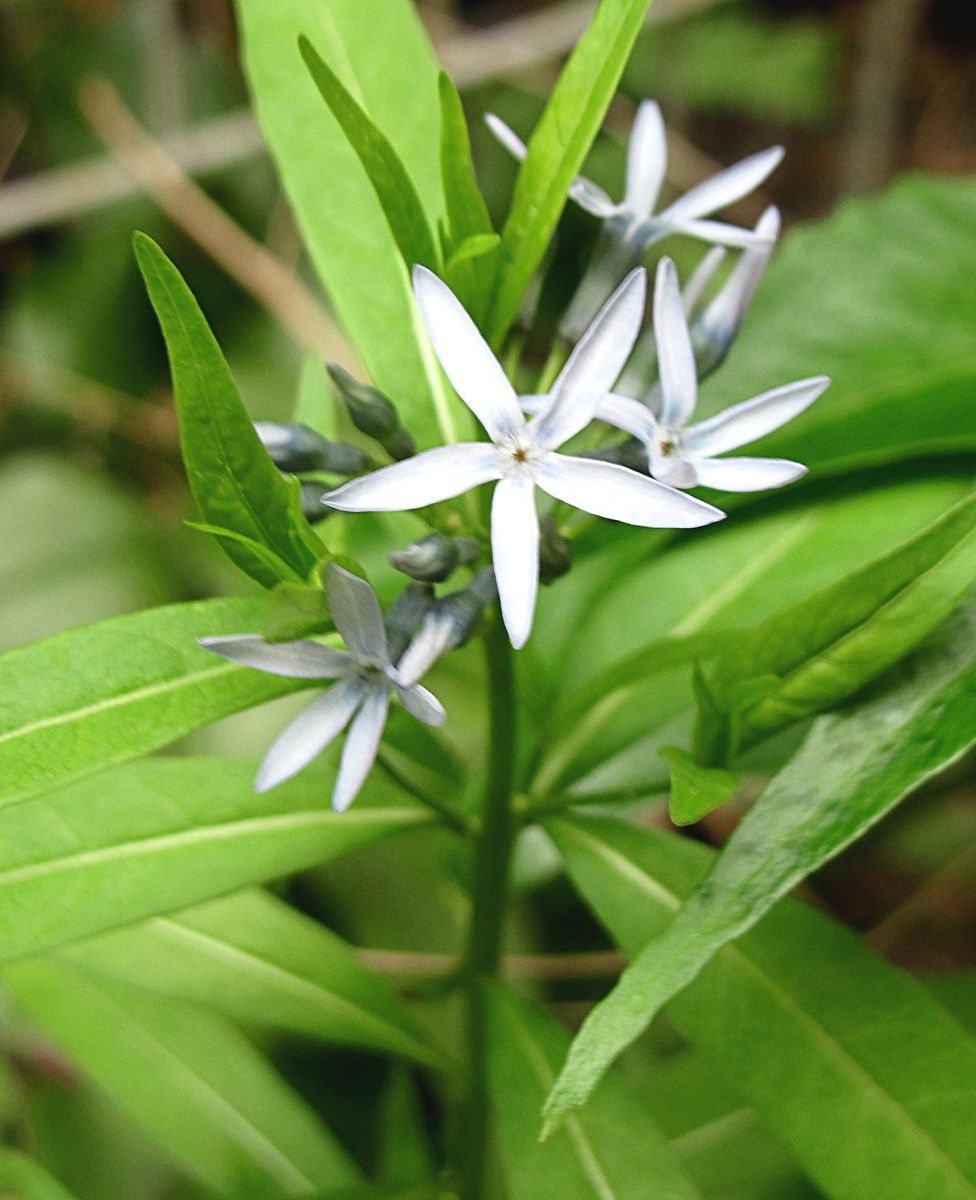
{"x": 836, "y": 300}
{"x": 393, "y": 186}
{"x": 233, "y": 481}
{"x": 386, "y": 64}
{"x": 89, "y": 698}
{"x": 194, "y": 1083}
{"x": 596, "y": 1156}
{"x": 695, "y": 790}
{"x": 24, "y": 1179}
{"x": 406, "y": 1157}
{"x": 296, "y": 610}
{"x": 275, "y": 567}
{"x": 852, "y": 769}
{"x": 158, "y": 835}
{"x": 255, "y": 959}
{"x": 848, "y": 1061}
{"x": 315, "y": 404}
{"x": 830, "y": 645}
{"x": 558, "y": 147}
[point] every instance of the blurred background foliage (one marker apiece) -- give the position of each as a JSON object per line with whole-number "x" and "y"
{"x": 92, "y": 500}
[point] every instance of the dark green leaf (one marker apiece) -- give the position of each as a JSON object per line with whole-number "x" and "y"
{"x": 851, "y": 770}
{"x": 233, "y": 481}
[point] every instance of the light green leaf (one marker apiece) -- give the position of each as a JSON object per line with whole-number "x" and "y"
{"x": 845, "y": 297}
{"x": 557, "y": 149}
{"x": 848, "y": 1061}
{"x": 830, "y": 645}
{"x": 89, "y": 698}
{"x": 296, "y": 610}
{"x": 254, "y": 958}
{"x": 695, "y": 790}
{"x": 406, "y": 1156}
{"x": 609, "y": 1152}
{"x": 234, "y": 482}
{"x": 852, "y": 769}
{"x": 23, "y": 1179}
{"x": 392, "y": 183}
{"x": 194, "y": 1083}
{"x": 386, "y": 64}
{"x": 315, "y": 403}
{"x": 158, "y": 835}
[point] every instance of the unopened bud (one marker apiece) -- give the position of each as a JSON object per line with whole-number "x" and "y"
{"x": 404, "y": 615}
{"x": 296, "y": 448}
{"x": 449, "y": 623}
{"x": 555, "y": 551}
{"x": 372, "y": 413}
{"x": 311, "y": 501}
{"x": 435, "y": 557}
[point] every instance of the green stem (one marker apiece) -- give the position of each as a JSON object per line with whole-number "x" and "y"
{"x": 493, "y": 849}
{"x": 558, "y": 353}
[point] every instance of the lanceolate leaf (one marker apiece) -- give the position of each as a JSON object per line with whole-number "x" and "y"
{"x": 191, "y": 1080}
{"x": 254, "y": 958}
{"x": 852, "y": 769}
{"x": 612, "y": 1151}
{"x": 89, "y": 698}
{"x": 828, "y": 646}
{"x": 158, "y": 835}
{"x": 558, "y": 147}
{"x": 234, "y": 482}
{"x": 852, "y": 1065}
{"x": 393, "y": 186}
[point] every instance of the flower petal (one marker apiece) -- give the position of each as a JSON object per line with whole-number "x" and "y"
{"x": 356, "y": 613}
{"x": 697, "y": 282}
{"x": 646, "y": 160}
{"x": 515, "y": 554}
{"x": 746, "y": 474}
{"x": 506, "y": 135}
{"x": 726, "y": 187}
{"x": 614, "y": 492}
{"x": 421, "y": 704}
{"x": 362, "y": 743}
{"x": 629, "y": 415}
{"x": 473, "y": 370}
{"x": 745, "y": 422}
{"x": 296, "y": 660}
{"x": 426, "y": 478}
{"x": 309, "y": 733}
{"x": 719, "y": 232}
{"x": 596, "y": 361}
{"x": 679, "y": 381}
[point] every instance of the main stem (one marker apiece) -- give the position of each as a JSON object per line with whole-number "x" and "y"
{"x": 492, "y": 853}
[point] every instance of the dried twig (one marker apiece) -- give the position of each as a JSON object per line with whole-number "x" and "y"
{"x": 597, "y": 964}
{"x": 247, "y": 261}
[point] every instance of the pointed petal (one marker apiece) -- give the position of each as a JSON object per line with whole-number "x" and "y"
{"x": 515, "y": 554}
{"x": 679, "y": 382}
{"x": 422, "y": 704}
{"x": 362, "y": 743}
{"x": 296, "y": 660}
{"x": 473, "y": 370}
{"x": 719, "y": 232}
{"x": 309, "y": 733}
{"x": 506, "y": 135}
{"x": 745, "y": 422}
{"x": 746, "y": 474}
{"x": 591, "y": 197}
{"x": 646, "y": 160}
{"x": 726, "y": 187}
{"x": 426, "y": 478}
{"x": 356, "y": 612}
{"x": 629, "y": 415}
{"x": 611, "y": 491}
{"x": 697, "y": 282}
{"x": 596, "y": 361}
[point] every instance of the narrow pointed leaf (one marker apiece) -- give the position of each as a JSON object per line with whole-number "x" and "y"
{"x": 848, "y": 1061}
{"x": 255, "y": 959}
{"x": 90, "y": 698}
{"x": 233, "y": 481}
{"x": 695, "y": 790}
{"x": 852, "y": 769}
{"x": 193, "y": 1082}
{"x": 158, "y": 835}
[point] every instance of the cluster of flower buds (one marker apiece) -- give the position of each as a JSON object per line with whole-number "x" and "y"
{"x": 448, "y": 624}
{"x": 373, "y": 414}
{"x": 298, "y": 450}
{"x": 435, "y": 557}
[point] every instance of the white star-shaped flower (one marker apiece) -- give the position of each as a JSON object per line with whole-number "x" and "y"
{"x": 682, "y": 454}
{"x": 521, "y": 455}
{"x": 360, "y": 698}
{"x": 634, "y": 217}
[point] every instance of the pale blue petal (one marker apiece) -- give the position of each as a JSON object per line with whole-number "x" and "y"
{"x": 427, "y": 478}
{"x": 746, "y": 474}
{"x": 676, "y": 362}
{"x": 744, "y": 423}
{"x": 296, "y": 660}
{"x": 515, "y": 554}
{"x": 361, "y": 745}
{"x": 309, "y": 733}
{"x": 356, "y": 613}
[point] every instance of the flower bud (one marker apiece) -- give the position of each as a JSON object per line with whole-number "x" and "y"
{"x": 404, "y": 615}
{"x": 311, "y": 501}
{"x": 435, "y": 557}
{"x": 372, "y": 413}
{"x": 555, "y": 551}
{"x": 296, "y": 448}
{"x": 449, "y": 623}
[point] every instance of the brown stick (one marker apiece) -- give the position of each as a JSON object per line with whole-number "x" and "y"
{"x": 597, "y": 964}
